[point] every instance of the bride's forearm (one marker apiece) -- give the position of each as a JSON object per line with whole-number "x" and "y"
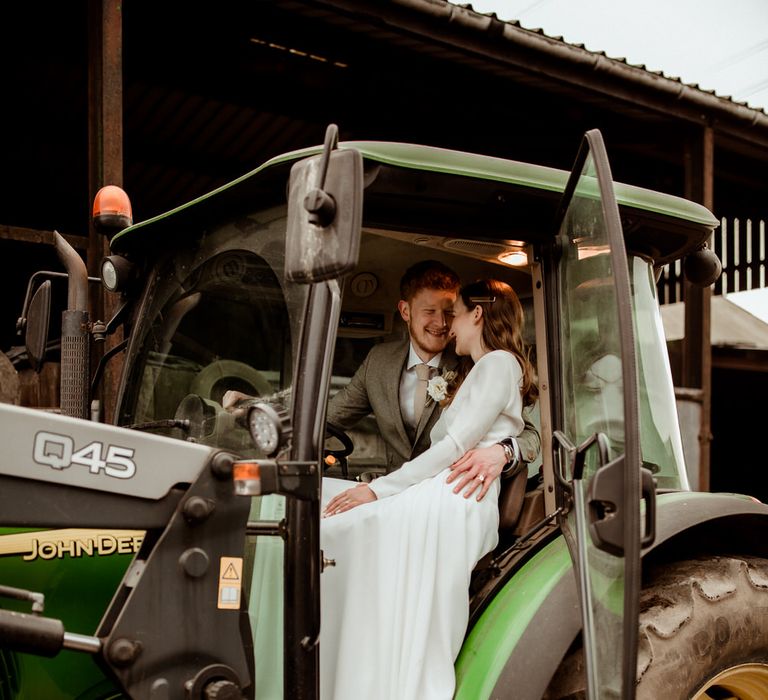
{"x": 439, "y": 456}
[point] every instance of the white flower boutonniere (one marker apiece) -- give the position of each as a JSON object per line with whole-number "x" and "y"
{"x": 437, "y": 388}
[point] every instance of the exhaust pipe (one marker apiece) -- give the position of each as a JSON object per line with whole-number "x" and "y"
{"x": 75, "y": 356}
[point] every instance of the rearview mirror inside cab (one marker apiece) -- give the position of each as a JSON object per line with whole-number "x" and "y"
{"x": 325, "y": 211}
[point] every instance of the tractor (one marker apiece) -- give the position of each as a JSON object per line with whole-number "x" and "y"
{"x": 176, "y": 553}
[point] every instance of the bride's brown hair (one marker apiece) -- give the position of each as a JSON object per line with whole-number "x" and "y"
{"x": 502, "y": 328}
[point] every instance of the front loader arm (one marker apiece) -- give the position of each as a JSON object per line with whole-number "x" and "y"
{"x": 177, "y": 625}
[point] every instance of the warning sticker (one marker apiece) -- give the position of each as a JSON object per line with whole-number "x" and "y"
{"x": 230, "y": 583}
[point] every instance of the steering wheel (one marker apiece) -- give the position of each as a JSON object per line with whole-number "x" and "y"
{"x": 342, "y": 454}
{"x": 220, "y": 375}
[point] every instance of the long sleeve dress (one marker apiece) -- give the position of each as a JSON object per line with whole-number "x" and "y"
{"x": 395, "y": 605}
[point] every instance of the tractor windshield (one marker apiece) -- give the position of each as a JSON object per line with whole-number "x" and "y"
{"x": 217, "y": 316}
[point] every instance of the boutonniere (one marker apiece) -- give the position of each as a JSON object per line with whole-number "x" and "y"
{"x": 437, "y": 387}
{"x": 449, "y": 375}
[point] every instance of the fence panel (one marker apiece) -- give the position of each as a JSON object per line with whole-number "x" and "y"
{"x": 740, "y": 245}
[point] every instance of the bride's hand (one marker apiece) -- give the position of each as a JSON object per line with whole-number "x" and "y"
{"x": 351, "y": 498}
{"x": 476, "y": 470}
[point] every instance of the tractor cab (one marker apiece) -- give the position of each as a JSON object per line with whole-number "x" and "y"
{"x": 230, "y": 304}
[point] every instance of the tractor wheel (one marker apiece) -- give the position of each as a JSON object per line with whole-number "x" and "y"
{"x": 703, "y": 634}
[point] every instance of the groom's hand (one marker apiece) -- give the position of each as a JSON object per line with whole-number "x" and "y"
{"x": 351, "y": 498}
{"x": 476, "y": 470}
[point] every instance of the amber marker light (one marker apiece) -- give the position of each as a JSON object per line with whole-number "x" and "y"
{"x": 111, "y": 210}
{"x": 247, "y": 478}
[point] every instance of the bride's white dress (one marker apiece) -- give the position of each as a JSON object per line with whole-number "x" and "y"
{"x": 395, "y": 605}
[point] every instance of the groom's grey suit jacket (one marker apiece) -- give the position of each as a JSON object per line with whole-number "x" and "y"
{"x": 375, "y": 388}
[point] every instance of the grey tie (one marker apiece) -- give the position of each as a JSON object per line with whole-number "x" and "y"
{"x": 420, "y": 396}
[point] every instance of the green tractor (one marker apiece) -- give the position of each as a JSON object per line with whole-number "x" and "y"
{"x": 176, "y": 554}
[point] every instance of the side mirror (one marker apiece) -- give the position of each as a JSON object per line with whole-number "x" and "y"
{"x": 38, "y": 318}
{"x": 325, "y": 213}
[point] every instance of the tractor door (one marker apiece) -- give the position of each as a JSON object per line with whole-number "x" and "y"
{"x": 596, "y": 439}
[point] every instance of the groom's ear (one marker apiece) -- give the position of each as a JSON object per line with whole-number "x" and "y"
{"x": 405, "y": 310}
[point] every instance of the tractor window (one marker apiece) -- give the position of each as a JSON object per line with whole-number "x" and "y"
{"x": 224, "y": 328}
{"x": 217, "y": 318}
{"x": 660, "y": 440}
{"x": 592, "y": 369}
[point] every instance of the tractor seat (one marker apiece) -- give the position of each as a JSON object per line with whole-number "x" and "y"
{"x": 511, "y": 498}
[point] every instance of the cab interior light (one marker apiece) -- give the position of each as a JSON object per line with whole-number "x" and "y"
{"x": 515, "y": 258}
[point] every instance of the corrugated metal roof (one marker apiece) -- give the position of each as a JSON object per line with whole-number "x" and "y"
{"x": 639, "y": 66}
{"x": 504, "y": 48}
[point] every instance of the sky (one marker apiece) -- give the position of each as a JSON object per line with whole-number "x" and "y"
{"x": 720, "y": 44}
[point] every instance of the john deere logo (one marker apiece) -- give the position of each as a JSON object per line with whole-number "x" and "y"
{"x": 61, "y": 544}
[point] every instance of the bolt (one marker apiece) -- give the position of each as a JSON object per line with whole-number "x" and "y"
{"x": 222, "y": 690}
{"x": 194, "y": 562}
{"x": 123, "y": 652}
{"x": 221, "y": 465}
{"x": 197, "y": 509}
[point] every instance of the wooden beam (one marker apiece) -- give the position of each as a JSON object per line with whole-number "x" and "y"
{"x": 746, "y": 360}
{"x": 32, "y": 235}
{"x": 697, "y": 347}
{"x": 105, "y": 158}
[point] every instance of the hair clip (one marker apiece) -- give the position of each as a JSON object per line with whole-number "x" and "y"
{"x": 482, "y": 300}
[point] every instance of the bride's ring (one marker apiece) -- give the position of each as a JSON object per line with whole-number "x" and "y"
{"x": 481, "y": 478}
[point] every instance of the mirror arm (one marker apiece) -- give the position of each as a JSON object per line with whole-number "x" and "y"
{"x": 331, "y": 142}
{"x": 321, "y": 205}
{"x": 103, "y": 362}
{"x": 116, "y": 320}
{"x": 21, "y": 322}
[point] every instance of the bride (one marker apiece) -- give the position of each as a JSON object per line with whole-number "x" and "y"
{"x": 395, "y": 605}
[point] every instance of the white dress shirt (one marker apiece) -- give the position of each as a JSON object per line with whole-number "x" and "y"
{"x": 408, "y": 382}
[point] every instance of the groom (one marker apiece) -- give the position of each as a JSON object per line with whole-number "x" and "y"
{"x": 393, "y": 380}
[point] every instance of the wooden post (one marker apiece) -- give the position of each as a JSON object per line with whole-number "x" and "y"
{"x": 105, "y": 161}
{"x": 697, "y": 344}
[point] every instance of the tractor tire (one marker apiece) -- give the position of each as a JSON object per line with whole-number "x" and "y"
{"x": 703, "y": 634}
